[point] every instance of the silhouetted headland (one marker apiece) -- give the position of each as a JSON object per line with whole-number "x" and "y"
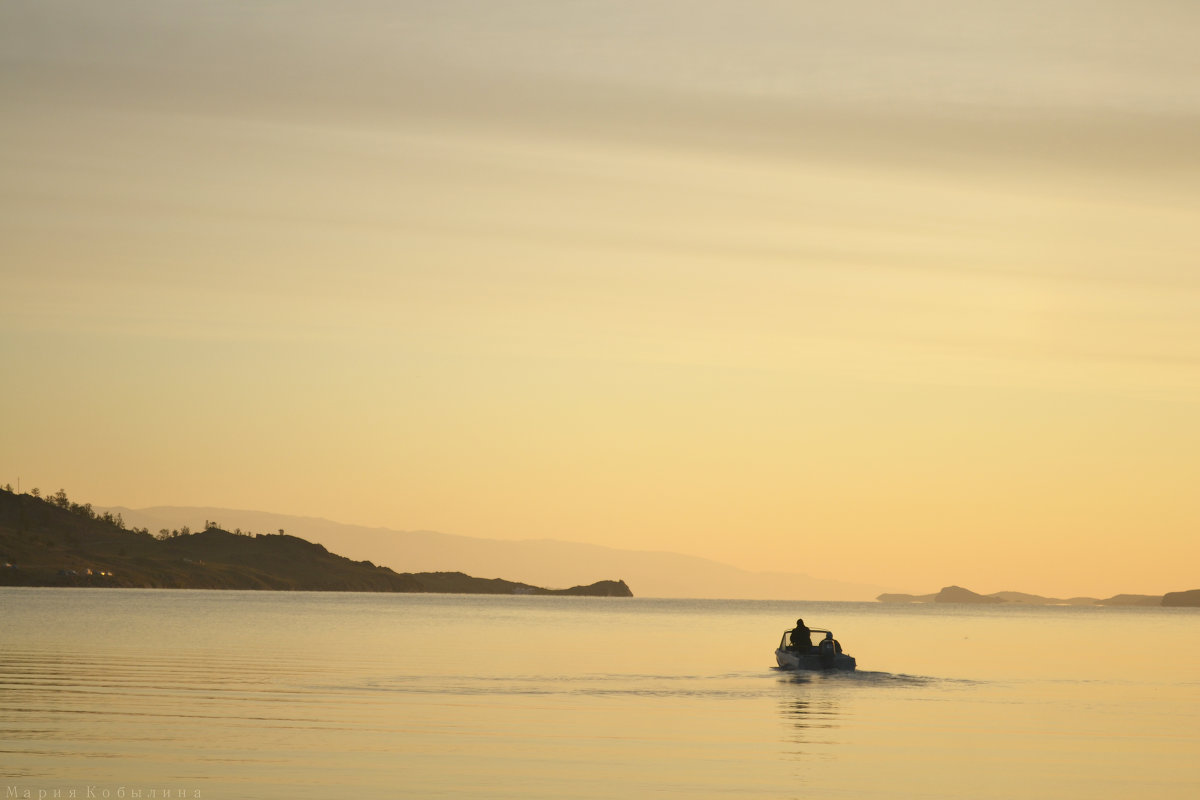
{"x": 1190, "y": 598}
{"x": 53, "y": 542}
{"x": 957, "y": 594}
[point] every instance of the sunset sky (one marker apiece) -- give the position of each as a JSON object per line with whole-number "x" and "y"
{"x": 903, "y": 293}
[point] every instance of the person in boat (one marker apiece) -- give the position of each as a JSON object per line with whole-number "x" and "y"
{"x": 828, "y": 650}
{"x": 801, "y": 637}
{"x": 830, "y": 645}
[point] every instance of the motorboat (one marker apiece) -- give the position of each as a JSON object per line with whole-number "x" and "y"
{"x": 824, "y": 655}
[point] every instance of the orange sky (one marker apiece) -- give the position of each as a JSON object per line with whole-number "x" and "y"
{"x": 904, "y": 296}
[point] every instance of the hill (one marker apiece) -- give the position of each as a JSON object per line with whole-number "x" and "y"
{"x": 1190, "y": 598}
{"x": 57, "y": 543}
{"x": 957, "y": 594}
{"x": 949, "y": 594}
{"x": 1024, "y": 598}
{"x": 535, "y": 561}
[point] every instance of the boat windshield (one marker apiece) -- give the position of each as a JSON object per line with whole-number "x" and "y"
{"x": 787, "y": 636}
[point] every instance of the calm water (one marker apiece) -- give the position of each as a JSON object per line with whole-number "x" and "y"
{"x": 286, "y": 695}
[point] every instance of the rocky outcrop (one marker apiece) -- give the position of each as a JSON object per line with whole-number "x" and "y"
{"x": 949, "y": 594}
{"x": 1023, "y": 598}
{"x": 1132, "y": 600}
{"x": 598, "y": 589}
{"x": 957, "y": 594}
{"x": 1188, "y": 599}
{"x": 461, "y": 583}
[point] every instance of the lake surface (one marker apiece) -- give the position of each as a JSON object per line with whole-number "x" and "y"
{"x": 306, "y": 695}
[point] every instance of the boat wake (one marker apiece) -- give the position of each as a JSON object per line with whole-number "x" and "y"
{"x": 864, "y": 678}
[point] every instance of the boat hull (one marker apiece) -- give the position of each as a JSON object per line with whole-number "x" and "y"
{"x": 812, "y": 661}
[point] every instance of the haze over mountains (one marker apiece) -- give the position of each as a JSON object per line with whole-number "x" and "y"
{"x": 543, "y": 562}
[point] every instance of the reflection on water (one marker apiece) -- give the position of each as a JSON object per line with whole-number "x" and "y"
{"x": 811, "y": 702}
{"x": 810, "y": 722}
{"x": 806, "y": 714}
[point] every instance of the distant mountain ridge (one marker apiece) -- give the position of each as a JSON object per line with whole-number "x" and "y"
{"x": 544, "y": 562}
{"x": 957, "y": 594}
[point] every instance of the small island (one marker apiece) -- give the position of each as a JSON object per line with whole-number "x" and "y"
{"x": 957, "y": 594}
{"x": 54, "y": 542}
